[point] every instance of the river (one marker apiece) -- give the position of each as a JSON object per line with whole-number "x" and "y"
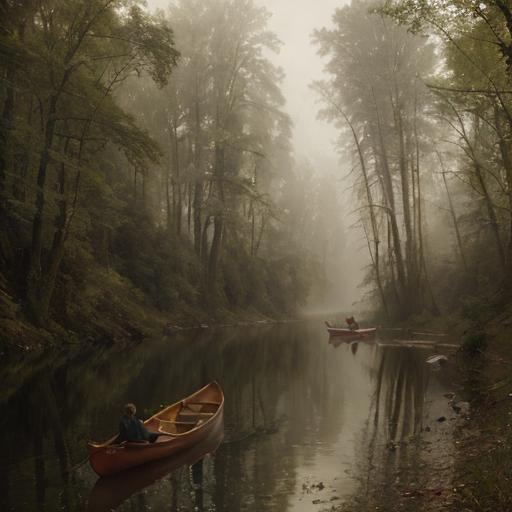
{"x": 308, "y": 426}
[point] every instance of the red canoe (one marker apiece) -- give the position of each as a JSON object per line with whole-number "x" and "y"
{"x": 109, "y": 492}
{"x": 184, "y": 424}
{"x": 349, "y": 333}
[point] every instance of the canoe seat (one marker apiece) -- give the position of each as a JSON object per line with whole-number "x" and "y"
{"x": 170, "y": 426}
{"x": 175, "y": 422}
{"x": 194, "y": 413}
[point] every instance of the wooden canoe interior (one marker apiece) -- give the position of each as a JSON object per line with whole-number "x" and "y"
{"x": 183, "y": 417}
{"x": 187, "y": 414}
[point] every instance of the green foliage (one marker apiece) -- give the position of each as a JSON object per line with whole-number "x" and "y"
{"x": 474, "y": 343}
{"x": 112, "y": 166}
{"x": 165, "y": 270}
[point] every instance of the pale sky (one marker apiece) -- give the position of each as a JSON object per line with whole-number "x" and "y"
{"x": 293, "y": 21}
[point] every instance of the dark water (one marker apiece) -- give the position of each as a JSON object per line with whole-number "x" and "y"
{"x": 308, "y": 426}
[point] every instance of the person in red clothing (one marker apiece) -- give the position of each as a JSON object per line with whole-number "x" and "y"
{"x": 352, "y": 324}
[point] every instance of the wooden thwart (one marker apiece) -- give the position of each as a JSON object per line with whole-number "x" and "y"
{"x": 194, "y": 413}
{"x": 176, "y": 422}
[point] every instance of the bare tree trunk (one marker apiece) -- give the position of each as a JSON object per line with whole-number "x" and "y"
{"x": 375, "y": 233}
{"x": 391, "y": 264}
{"x": 472, "y": 152}
{"x": 198, "y": 202}
{"x": 19, "y": 188}
{"x": 189, "y": 209}
{"x": 218, "y": 227}
{"x": 390, "y": 201}
{"x": 35, "y": 270}
{"x": 177, "y": 183}
{"x": 198, "y": 184}
{"x": 218, "y": 223}
{"x": 168, "y": 205}
{"x": 493, "y": 219}
{"x": 135, "y": 184}
{"x": 404, "y": 179}
{"x": 374, "y": 259}
{"x": 376, "y": 241}
{"x": 5, "y": 124}
{"x": 260, "y": 234}
{"x": 143, "y": 175}
{"x": 505, "y": 151}
{"x": 204, "y": 247}
{"x": 453, "y": 215}
{"x": 252, "y": 216}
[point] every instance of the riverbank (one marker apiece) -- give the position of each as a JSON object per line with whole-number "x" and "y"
{"x": 111, "y": 310}
{"x": 463, "y": 458}
{"x": 484, "y": 461}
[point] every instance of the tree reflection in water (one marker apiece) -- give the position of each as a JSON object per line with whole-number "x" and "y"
{"x": 296, "y": 412}
{"x": 394, "y": 431}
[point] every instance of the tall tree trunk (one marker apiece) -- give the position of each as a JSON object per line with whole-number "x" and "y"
{"x": 493, "y": 219}
{"x": 453, "y": 216}
{"x": 5, "y": 125}
{"x": 406, "y": 206}
{"x": 391, "y": 263}
{"x": 506, "y": 158}
{"x": 168, "y": 206}
{"x": 198, "y": 183}
{"x": 189, "y": 209}
{"x": 218, "y": 221}
{"x": 49, "y": 275}
{"x": 35, "y": 269}
{"x": 198, "y": 203}
{"x": 375, "y": 254}
{"x": 19, "y": 187}
{"x": 390, "y": 201}
{"x": 260, "y": 234}
{"x": 218, "y": 227}
{"x": 472, "y": 151}
{"x": 252, "y": 215}
{"x": 204, "y": 248}
{"x": 177, "y": 181}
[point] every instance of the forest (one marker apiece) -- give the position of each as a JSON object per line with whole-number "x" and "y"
{"x": 147, "y": 160}
{"x": 191, "y": 191}
{"x": 421, "y": 94}
{"x": 146, "y": 166}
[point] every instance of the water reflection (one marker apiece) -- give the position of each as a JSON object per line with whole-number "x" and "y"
{"x": 297, "y": 413}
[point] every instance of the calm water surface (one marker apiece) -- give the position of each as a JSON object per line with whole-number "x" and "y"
{"x": 307, "y": 426}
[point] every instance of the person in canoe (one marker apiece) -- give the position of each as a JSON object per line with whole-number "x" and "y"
{"x": 132, "y": 430}
{"x": 352, "y": 324}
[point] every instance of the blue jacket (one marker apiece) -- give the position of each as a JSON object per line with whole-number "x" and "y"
{"x": 131, "y": 429}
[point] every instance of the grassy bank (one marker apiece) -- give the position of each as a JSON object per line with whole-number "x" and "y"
{"x": 107, "y": 309}
{"x": 484, "y": 458}
{"x": 476, "y": 475}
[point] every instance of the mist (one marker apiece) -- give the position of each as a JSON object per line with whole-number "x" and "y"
{"x": 315, "y": 144}
{"x": 283, "y": 228}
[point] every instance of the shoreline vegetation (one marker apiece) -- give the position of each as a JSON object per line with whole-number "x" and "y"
{"x": 169, "y": 192}
{"x": 135, "y": 322}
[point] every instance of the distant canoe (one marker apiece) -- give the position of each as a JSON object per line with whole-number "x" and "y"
{"x": 184, "y": 424}
{"x": 349, "y": 333}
